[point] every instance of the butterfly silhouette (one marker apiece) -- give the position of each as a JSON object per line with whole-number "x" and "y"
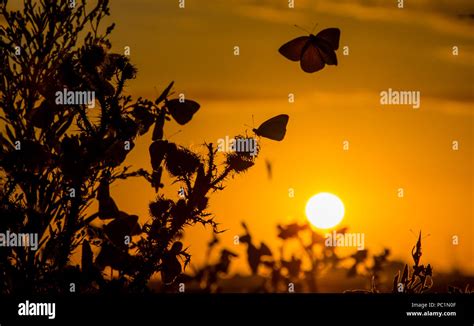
{"x": 107, "y": 207}
{"x": 313, "y": 51}
{"x": 182, "y": 111}
{"x": 164, "y": 94}
{"x": 274, "y": 128}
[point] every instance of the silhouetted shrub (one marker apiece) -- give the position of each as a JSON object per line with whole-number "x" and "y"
{"x": 57, "y": 158}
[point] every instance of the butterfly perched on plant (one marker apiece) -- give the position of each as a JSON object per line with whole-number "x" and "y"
{"x": 182, "y": 111}
{"x": 274, "y": 128}
{"x": 313, "y": 51}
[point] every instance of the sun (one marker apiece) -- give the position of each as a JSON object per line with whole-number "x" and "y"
{"x": 324, "y": 210}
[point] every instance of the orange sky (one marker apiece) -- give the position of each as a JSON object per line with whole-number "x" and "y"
{"x": 391, "y": 147}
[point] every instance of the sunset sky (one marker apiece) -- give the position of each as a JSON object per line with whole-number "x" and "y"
{"x": 391, "y": 147}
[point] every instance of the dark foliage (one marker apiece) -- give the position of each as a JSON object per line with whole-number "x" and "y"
{"x": 56, "y": 160}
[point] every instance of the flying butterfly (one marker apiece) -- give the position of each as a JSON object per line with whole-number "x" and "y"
{"x": 313, "y": 51}
{"x": 274, "y": 128}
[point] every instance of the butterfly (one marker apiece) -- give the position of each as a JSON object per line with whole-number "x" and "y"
{"x": 107, "y": 207}
{"x": 164, "y": 94}
{"x": 181, "y": 111}
{"x": 313, "y": 51}
{"x": 274, "y": 128}
{"x": 123, "y": 225}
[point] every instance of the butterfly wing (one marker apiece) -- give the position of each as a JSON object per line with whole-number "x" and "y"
{"x": 327, "y": 53}
{"x": 274, "y": 128}
{"x": 294, "y": 48}
{"x": 164, "y": 94}
{"x": 182, "y": 112}
{"x": 107, "y": 207}
{"x": 311, "y": 59}
{"x": 331, "y": 36}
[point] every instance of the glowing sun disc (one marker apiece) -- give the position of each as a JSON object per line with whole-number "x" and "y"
{"x": 324, "y": 210}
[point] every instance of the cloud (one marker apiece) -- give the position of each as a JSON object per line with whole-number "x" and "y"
{"x": 465, "y": 56}
{"x": 370, "y": 99}
{"x": 361, "y": 99}
{"x": 270, "y": 13}
{"x": 450, "y": 107}
{"x": 441, "y": 16}
{"x": 442, "y": 19}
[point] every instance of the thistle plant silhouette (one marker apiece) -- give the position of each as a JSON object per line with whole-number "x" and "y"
{"x": 56, "y": 160}
{"x": 419, "y": 280}
{"x": 271, "y": 272}
{"x": 277, "y": 272}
